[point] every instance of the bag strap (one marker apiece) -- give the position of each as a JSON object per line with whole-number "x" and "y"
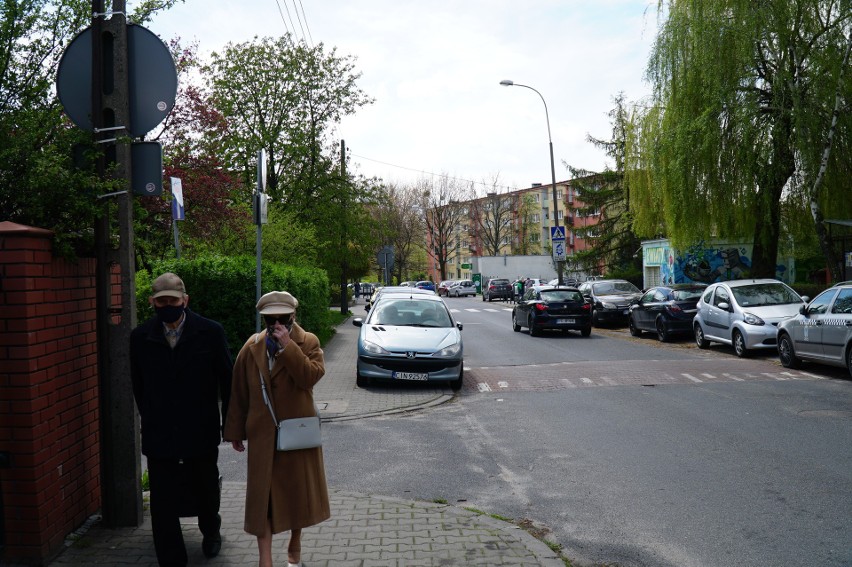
{"x": 266, "y": 400}
{"x": 269, "y": 404}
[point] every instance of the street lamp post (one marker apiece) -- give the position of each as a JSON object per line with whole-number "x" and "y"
{"x": 510, "y": 83}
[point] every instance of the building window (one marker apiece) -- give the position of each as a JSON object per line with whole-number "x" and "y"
{"x": 536, "y": 217}
{"x": 535, "y": 238}
{"x": 560, "y": 215}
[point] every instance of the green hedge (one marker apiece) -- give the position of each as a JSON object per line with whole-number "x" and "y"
{"x": 224, "y": 288}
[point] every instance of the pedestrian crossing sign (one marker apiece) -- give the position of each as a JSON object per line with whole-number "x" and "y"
{"x": 557, "y": 233}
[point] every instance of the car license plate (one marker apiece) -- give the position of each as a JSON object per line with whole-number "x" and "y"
{"x": 565, "y": 321}
{"x": 411, "y": 375}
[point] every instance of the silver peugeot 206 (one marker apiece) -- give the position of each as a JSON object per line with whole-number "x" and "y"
{"x": 409, "y": 337}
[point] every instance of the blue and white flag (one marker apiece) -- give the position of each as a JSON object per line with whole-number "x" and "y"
{"x": 177, "y": 199}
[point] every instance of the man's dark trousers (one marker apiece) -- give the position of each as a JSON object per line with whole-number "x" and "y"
{"x": 168, "y": 494}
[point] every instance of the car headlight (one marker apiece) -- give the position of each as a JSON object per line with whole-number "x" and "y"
{"x": 752, "y": 319}
{"x": 373, "y": 348}
{"x": 449, "y": 352}
{"x": 608, "y": 305}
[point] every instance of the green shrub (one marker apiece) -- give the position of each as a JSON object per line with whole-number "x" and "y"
{"x": 224, "y": 288}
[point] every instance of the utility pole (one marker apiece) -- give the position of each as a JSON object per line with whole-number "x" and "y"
{"x": 120, "y": 461}
{"x": 344, "y": 300}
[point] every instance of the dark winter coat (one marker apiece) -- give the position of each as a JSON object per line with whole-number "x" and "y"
{"x": 177, "y": 390}
{"x": 291, "y": 482}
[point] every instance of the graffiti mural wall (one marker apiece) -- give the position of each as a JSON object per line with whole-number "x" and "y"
{"x": 704, "y": 262}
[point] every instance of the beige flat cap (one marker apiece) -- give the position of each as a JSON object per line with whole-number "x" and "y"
{"x": 277, "y": 303}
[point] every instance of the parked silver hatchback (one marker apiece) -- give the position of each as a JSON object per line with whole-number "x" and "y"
{"x": 744, "y": 314}
{"x": 821, "y": 332}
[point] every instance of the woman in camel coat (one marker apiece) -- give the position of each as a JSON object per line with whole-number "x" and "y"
{"x": 286, "y": 490}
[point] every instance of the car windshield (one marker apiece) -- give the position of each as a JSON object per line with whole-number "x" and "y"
{"x": 411, "y": 312}
{"x": 604, "y": 288}
{"x": 561, "y": 295}
{"x": 499, "y": 282}
{"x": 687, "y": 294}
{"x": 758, "y": 295}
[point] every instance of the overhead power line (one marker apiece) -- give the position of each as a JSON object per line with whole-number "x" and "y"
{"x": 431, "y": 173}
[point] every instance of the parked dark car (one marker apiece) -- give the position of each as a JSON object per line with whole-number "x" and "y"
{"x": 610, "y": 299}
{"x": 497, "y": 288}
{"x": 562, "y": 308}
{"x": 666, "y": 310}
{"x": 425, "y": 284}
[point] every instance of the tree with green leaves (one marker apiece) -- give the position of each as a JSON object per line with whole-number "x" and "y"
{"x": 607, "y": 192}
{"x": 286, "y": 98}
{"x": 742, "y": 103}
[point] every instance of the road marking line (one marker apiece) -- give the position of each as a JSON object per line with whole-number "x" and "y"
{"x": 813, "y": 375}
{"x": 710, "y": 376}
{"x": 609, "y": 380}
{"x": 472, "y": 310}
{"x": 567, "y": 382}
{"x": 732, "y": 377}
{"x": 503, "y": 384}
{"x": 587, "y": 380}
{"x": 691, "y": 377}
{"x": 483, "y": 387}
{"x": 774, "y": 376}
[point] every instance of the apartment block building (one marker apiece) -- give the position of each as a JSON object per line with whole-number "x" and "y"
{"x": 515, "y": 223}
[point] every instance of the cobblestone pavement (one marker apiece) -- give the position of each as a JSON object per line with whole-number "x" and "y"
{"x": 364, "y": 530}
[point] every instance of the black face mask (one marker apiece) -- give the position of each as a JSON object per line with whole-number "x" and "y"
{"x": 169, "y": 313}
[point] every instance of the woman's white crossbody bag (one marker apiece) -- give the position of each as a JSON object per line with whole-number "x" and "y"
{"x": 296, "y": 433}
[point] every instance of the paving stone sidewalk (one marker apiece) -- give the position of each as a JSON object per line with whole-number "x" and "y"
{"x": 364, "y": 530}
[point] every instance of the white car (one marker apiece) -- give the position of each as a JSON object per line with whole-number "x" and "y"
{"x": 820, "y": 332}
{"x": 462, "y": 288}
{"x": 744, "y": 314}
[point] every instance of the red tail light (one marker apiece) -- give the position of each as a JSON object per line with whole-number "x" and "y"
{"x": 674, "y": 308}
{"x": 587, "y": 307}
{"x": 540, "y": 307}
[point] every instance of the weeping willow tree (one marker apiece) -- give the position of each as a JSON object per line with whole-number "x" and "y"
{"x": 744, "y": 92}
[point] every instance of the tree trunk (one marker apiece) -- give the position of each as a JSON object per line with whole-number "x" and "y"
{"x": 767, "y": 228}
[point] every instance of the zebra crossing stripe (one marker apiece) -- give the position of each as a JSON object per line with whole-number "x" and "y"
{"x": 483, "y": 387}
{"x": 732, "y": 377}
{"x": 691, "y": 377}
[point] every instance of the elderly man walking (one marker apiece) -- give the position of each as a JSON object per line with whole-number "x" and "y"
{"x": 181, "y": 367}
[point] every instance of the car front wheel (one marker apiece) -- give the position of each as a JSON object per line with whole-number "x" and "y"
{"x": 361, "y": 381}
{"x": 634, "y": 330}
{"x": 662, "y": 333}
{"x": 739, "y": 344}
{"x": 515, "y": 326}
{"x": 786, "y": 353}
{"x": 699, "y": 337}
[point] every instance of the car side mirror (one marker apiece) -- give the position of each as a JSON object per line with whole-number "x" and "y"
{"x": 724, "y": 306}
{"x": 460, "y": 326}
{"x": 803, "y": 309}
{"x": 357, "y": 321}
{"x": 806, "y": 299}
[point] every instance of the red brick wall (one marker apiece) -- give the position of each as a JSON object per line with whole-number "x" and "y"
{"x": 48, "y": 394}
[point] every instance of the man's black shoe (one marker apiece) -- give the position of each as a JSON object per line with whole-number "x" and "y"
{"x": 211, "y": 545}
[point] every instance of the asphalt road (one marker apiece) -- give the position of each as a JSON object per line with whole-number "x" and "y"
{"x": 625, "y": 451}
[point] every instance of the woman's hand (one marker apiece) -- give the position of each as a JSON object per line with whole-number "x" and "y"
{"x": 238, "y": 446}
{"x": 280, "y": 334}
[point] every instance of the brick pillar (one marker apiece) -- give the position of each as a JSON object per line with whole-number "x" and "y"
{"x": 49, "y": 416}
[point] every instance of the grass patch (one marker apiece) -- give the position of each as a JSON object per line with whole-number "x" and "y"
{"x": 335, "y": 318}
{"x": 527, "y": 525}
{"x": 439, "y": 500}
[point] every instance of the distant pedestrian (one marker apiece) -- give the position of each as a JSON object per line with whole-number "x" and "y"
{"x": 357, "y": 287}
{"x": 180, "y": 367}
{"x": 285, "y": 490}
